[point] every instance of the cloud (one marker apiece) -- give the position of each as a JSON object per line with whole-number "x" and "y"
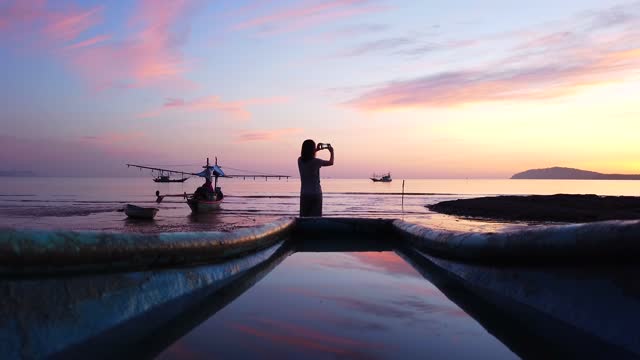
{"x": 626, "y": 14}
{"x": 33, "y": 21}
{"x": 266, "y": 135}
{"x": 549, "y": 65}
{"x": 70, "y": 26}
{"x": 380, "y": 45}
{"x": 304, "y": 14}
{"x": 236, "y": 109}
{"x": 361, "y": 29}
{"x": 147, "y": 53}
{"x": 411, "y": 45}
{"x": 89, "y": 42}
{"x": 349, "y": 32}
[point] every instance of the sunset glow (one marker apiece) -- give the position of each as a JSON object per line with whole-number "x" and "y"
{"x": 420, "y": 88}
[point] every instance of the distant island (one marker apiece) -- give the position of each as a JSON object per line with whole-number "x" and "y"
{"x": 563, "y": 173}
{"x": 16, "y": 173}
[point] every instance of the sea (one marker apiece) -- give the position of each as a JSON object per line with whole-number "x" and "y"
{"x": 311, "y": 305}
{"x": 96, "y": 203}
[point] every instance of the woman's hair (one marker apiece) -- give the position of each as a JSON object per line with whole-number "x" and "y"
{"x": 308, "y": 150}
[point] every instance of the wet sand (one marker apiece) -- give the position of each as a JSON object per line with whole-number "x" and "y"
{"x": 547, "y": 208}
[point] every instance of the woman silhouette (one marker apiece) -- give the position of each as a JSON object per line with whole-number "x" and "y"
{"x": 309, "y": 167}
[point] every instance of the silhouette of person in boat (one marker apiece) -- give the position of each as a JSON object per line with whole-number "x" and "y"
{"x": 309, "y": 167}
{"x": 204, "y": 192}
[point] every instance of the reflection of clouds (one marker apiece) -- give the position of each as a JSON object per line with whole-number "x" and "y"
{"x": 419, "y": 306}
{"x": 424, "y": 289}
{"x": 387, "y": 262}
{"x": 378, "y": 309}
{"x": 345, "y": 322}
{"x": 306, "y": 339}
{"x": 339, "y": 261}
{"x": 311, "y": 333}
{"x": 406, "y": 307}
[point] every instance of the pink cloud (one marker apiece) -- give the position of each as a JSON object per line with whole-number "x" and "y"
{"x": 236, "y": 109}
{"x": 89, "y": 42}
{"x": 266, "y": 135}
{"x": 304, "y": 15}
{"x": 68, "y": 27}
{"x": 151, "y": 55}
{"x": 553, "y": 64}
{"x": 46, "y": 26}
{"x": 533, "y": 82}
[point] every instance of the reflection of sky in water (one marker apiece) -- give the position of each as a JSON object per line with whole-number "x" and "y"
{"x": 354, "y": 305}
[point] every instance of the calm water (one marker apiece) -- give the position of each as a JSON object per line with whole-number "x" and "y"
{"x": 369, "y": 305}
{"x": 312, "y": 305}
{"x": 92, "y": 203}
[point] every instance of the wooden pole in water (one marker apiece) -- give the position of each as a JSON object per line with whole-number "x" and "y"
{"x": 402, "y": 197}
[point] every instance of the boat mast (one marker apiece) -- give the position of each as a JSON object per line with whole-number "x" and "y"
{"x": 215, "y": 186}
{"x": 210, "y": 172}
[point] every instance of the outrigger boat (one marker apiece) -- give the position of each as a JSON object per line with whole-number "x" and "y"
{"x": 202, "y": 201}
{"x": 381, "y": 178}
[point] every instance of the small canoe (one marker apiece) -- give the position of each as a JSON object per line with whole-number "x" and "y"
{"x": 138, "y": 212}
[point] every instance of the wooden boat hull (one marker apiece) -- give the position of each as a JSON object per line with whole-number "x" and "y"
{"x": 203, "y": 206}
{"x": 137, "y": 212}
{"x": 380, "y": 180}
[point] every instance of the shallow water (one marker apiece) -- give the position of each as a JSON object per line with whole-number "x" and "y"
{"x": 92, "y": 203}
{"x": 366, "y": 305}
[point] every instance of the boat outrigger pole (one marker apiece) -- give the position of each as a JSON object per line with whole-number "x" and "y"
{"x": 211, "y": 173}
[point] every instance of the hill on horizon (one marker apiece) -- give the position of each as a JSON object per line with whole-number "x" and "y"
{"x": 564, "y": 173}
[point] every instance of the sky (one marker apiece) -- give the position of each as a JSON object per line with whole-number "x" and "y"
{"x": 424, "y": 89}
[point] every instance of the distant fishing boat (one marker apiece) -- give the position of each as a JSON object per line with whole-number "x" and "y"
{"x": 167, "y": 179}
{"x": 381, "y": 178}
{"x": 138, "y": 212}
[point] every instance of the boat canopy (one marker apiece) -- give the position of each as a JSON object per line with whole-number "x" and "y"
{"x": 214, "y": 170}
